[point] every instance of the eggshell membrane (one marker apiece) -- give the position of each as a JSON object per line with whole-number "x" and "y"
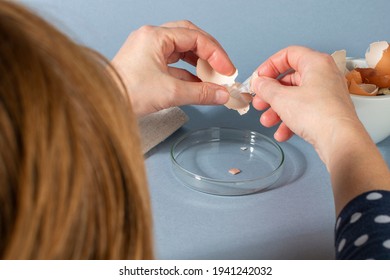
{"x": 237, "y": 101}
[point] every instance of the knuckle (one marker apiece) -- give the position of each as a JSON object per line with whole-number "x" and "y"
{"x": 145, "y": 31}
{"x": 204, "y": 94}
{"x": 187, "y": 23}
{"x": 326, "y": 59}
{"x": 173, "y": 95}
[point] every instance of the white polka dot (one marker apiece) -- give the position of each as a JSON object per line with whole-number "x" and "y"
{"x": 341, "y": 245}
{"x": 374, "y": 196}
{"x": 382, "y": 219}
{"x": 355, "y": 217}
{"x": 386, "y": 244}
{"x": 338, "y": 223}
{"x": 361, "y": 240}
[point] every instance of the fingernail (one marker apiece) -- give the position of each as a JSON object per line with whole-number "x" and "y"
{"x": 221, "y": 96}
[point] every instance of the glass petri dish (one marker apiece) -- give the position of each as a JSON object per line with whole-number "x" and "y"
{"x": 202, "y": 159}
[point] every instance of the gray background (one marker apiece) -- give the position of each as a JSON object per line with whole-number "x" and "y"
{"x": 295, "y": 218}
{"x": 250, "y": 30}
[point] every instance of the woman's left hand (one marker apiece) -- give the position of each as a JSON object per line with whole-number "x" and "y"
{"x": 153, "y": 85}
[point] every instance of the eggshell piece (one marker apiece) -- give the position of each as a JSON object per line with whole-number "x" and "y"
{"x": 340, "y": 58}
{"x": 207, "y": 74}
{"x": 234, "y": 171}
{"x": 384, "y": 91}
{"x": 375, "y": 52}
{"x": 363, "y": 89}
{"x": 354, "y": 75}
{"x": 383, "y": 66}
{"x": 238, "y": 101}
{"x": 371, "y": 76}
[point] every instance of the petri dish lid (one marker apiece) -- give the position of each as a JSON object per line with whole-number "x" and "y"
{"x": 202, "y": 160}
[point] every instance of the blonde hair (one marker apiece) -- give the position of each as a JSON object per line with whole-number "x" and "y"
{"x": 72, "y": 179}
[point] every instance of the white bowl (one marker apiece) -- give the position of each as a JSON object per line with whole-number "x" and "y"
{"x": 373, "y": 111}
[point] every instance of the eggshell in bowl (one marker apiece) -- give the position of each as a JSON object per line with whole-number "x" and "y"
{"x": 373, "y": 111}
{"x": 375, "y": 52}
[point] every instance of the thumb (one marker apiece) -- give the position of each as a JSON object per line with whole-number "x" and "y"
{"x": 266, "y": 88}
{"x": 200, "y": 93}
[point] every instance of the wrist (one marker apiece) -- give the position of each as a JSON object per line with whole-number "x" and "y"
{"x": 342, "y": 138}
{"x": 353, "y": 161}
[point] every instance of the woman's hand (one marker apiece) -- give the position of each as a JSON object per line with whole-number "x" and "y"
{"x": 314, "y": 103}
{"x": 311, "y": 101}
{"x": 143, "y": 64}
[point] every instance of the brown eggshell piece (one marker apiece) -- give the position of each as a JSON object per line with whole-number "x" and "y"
{"x": 383, "y": 65}
{"x": 362, "y": 89}
{"x": 371, "y": 76}
{"x": 354, "y": 75}
{"x": 234, "y": 171}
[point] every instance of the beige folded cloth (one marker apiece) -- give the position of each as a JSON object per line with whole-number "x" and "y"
{"x": 158, "y": 126}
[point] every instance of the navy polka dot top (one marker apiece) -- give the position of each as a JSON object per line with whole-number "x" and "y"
{"x": 362, "y": 229}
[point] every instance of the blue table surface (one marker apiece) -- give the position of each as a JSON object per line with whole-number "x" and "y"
{"x": 294, "y": 219}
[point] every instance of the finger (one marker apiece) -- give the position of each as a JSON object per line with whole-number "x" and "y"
{"x": 269, "y": 118}
{"x": 183, "y": 40}
{"x": 283, "y": 133}
{"x": 188, "y": 57}
{"x": 181, "y": 23}
{"x": 259, "y": 104}
{"x": 182, "y": 74}
{"x": 268, "y": 90}
{"x": 294, "y": 57}
{"x": 189, "y": 25}
{"x": 293, "y": 79}
{"x": 199, "y": 93}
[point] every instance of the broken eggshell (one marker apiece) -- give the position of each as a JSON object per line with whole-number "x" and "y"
{"x": 378, "y": 62}
{"x": 378, "y": 57}
{"x": 354, "y": 78}
{"x": 363, "y": 89}
{"x": 207, "y": 74}
{"x": 340, "y": 58}
{"x": 238, "y": 101}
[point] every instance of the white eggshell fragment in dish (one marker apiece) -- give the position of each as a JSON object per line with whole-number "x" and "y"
{"x": 238, "y": 101}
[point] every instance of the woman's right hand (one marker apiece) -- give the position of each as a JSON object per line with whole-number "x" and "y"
{"x": 313, "y": 101}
